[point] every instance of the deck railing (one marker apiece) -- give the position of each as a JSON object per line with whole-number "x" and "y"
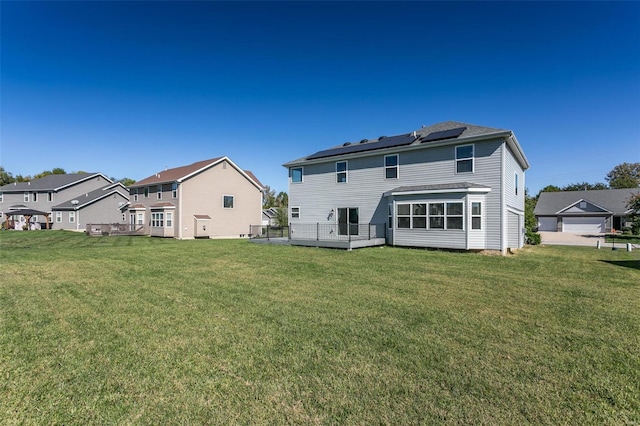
{"x": 336, "y": 232}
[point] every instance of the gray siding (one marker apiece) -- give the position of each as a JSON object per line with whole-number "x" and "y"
{"x": 514, "y": 230}
{"x": 319, "y": 193}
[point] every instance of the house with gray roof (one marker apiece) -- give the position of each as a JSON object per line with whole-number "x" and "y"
{"x": 67, "y": 201}
{"x": 583, "y": 212}
{"x": 449, "y": 185}
{"x": 207, "y": 199}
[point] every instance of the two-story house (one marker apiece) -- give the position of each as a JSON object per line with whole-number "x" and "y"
{"x": 207, "y": 199}
{"x": 66, "y": 201}
{"x": 449, "y": 185}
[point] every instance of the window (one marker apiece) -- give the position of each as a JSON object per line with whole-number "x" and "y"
{"x": 391, "y": 166}
{"x": 516, "y": 183}
{"x": 341, "y": 171}
{"x": 174, "y": 189}
{"x": 296, "y": 175}
{"x": 419, "y": 216}
{"x": 295, "y": 212}
{"x": 404, "y": 216}
{"x": 159, "y": 192}
{"x": 436, "y": 215}
{"x": 146, "y": 192}
{"x": 412, "y": 216}
{"x": 157, "y": 219}
{"x": 583, "y": 204}
{"x": 140, "y": 219}
{"x": 454, "y": 215}
{"x": 227, "y": 201}
{"x": 58, "y": 217}
{"x": 169, "y": 219}
{"x": 1, "y": 197}
{"x": 26, "y": 197}
{"x": 72, "y": 217}
{"x": 390, "y": 216}
{"x": 464, "y": 159}
{"x": 50, "y": 197}
{"x": 476, "y": 215}
{"x": 34, "y": 196}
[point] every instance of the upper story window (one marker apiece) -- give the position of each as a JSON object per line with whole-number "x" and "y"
{"x": 135, "y": 194}
{"x": 295, "y": 212}
{"x": 159, "y": 192}
{"x": 26, "y": 197}
{"x": 296, "y": 174}
{"x": 516, "y": 183}
{"x": 50, "y": 196}
{"x": 391, "y": 166}
{"x": 174, "y": 189}
{"x": 464, "y": 159}
{"x": 34, "y": 195}
{"x": 1, "y": 197}
{"x": 146, "y": 192}
{"x": 341, "y": 171}
{"x": 227, "y": 201}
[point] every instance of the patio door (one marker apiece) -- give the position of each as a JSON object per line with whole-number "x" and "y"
{"x": 348, "y": 219}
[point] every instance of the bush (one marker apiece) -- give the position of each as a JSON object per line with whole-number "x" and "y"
{"x": 533, "y": 238}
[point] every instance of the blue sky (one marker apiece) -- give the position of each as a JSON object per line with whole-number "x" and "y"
{"x": 129, "y": 88}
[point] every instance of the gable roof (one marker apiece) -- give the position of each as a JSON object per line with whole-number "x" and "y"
{"x": 444, "y": 133}
{"x": 179, "y": 174}
{"x": 613, "y": 200}
{"x": 93, "y": 196}
{"x": 51, "y": 182}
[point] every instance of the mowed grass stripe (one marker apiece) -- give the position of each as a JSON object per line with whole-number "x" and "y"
{"x": 146, "y": 331}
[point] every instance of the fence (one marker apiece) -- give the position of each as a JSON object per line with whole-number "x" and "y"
{"x": 115, "y": 229}
{"x": 268, "y": 231}
{"x": 337, "y": 232}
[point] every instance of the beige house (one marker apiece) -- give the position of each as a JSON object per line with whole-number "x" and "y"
{"x": 208, "y": 199}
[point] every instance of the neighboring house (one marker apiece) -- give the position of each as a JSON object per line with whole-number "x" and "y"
{"x": 70, "y": 200}
{"x": 450, "y": 185}
{"x": 269, "y": 216}
{"x": 583, "y": 212}
{"x": 208, "y": 199}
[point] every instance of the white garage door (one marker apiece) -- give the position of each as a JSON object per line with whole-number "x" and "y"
{"x": 583, "y": 225}
{"x": 548, "y": 224}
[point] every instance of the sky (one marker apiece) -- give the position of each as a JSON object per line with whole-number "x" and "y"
{"x": 131, "y": 88}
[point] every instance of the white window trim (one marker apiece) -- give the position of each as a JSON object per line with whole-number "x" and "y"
{"x": 298, "y": 212}
{"x": 397, "y": 166}
{"x": 168, "y": 220}
{"x": 346, "y": 171}
{"x": 34, "y": 197}
{"x": 233, "y": 201}
{"x": 72, "y": 216}
{"x": 1, "y": 197}
{"x": 301, "y": 174}
{"x": 159, "y": 192}
{"x": 26, "y": 197}
{"x": 472, "y": 158}
{"x": 472, "y": 216}
{"x": 58, "y": 217}
{"x": 50, "y": 197}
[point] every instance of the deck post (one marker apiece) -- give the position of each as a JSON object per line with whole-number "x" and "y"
{"x": 317, "y": 231}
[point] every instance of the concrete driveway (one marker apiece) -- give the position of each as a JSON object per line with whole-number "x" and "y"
{"x": 568, "y": 239}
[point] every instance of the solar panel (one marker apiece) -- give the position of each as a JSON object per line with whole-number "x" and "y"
{"x": 389, "y": 142}
{"x": 443, "y": 134}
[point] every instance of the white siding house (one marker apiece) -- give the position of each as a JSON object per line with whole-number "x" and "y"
{"x": 450, "y": 185}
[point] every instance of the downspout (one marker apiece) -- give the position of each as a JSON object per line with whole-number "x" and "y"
{"x": 179, "y": 218}
{"x": 503, "y": 208}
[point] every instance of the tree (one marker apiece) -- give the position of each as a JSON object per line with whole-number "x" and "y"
{"x": 584, "y": 186}
{"x": 282, "y": 216}
{"x": 550, "y": 188}
{"x": 5, "y": 177}
{"x": 126, "y": 181}
{"x": 634, "y": 205}
{"x": 269, "y": 197}
{"x": 530, "y": 222}
{"x": 282, "y": 199}
{"x": 625, "y": 175}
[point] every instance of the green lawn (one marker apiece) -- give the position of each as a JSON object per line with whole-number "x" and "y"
{"x": 135, "y": 330}
{"x": 622, "y": 239}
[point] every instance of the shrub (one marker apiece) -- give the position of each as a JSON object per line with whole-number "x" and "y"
{"x": 533, "y": 238}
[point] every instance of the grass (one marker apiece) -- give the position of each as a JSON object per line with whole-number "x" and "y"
{"x": 138, "y": 330}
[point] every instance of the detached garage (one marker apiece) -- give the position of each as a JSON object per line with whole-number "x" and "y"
{"x": 583, "y": 212}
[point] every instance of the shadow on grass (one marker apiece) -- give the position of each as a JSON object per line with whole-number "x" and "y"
{"x": 633, "y": 264}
